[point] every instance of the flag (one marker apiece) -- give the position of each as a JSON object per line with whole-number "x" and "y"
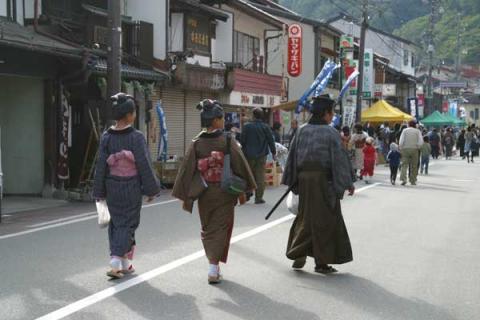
{"x": 347, "y": 84}
{"x": 163, "y": 141}
{"x": 329, "y": 68}
{"x": 326, "y": 73}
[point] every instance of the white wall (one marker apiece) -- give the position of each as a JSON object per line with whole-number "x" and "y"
{"x": 222, "y": 46}
{"x": 176, "y": 33}
{"x": 3, "y": 8}
{"x": 297, "y": 85}
{"x": 153, "y": 11}
{"x": 29, "y": 9}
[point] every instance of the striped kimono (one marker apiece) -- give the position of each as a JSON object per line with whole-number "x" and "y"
{"x": 123, "y": 175}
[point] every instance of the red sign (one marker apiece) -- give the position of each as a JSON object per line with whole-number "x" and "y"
{"x": 445, "y": 106}
{"x": 294, "y": 50}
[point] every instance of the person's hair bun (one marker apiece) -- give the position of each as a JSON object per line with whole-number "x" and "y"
{"x": 123, "y": 104}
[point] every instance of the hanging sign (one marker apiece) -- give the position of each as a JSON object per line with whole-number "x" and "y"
{"x": 294, "y": 50}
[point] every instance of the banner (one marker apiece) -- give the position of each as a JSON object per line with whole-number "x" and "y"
{"x": 63, "y": 172}
{"x": 325, "y": 74}
{"x": 368, "y": 74}
{"x": 347, "y": 84}
{"x": 163, "y": 141}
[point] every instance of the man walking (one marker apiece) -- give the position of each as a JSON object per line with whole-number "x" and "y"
{"x": 410, "y": 142}
{"x": 257, "y": 140}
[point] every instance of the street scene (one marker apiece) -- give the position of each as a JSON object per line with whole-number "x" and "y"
{"x": 239, "y": 159}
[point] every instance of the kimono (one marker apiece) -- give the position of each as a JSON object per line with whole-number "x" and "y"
{"x": 123, "y": 175}
{"x": 216, "y": 207}
{"x": 369, "y": 158}
{"x": 358, "y": 142}
{"x": 319, "y": 170}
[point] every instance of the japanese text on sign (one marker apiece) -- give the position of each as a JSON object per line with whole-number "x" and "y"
{"x": 294, "y": 50}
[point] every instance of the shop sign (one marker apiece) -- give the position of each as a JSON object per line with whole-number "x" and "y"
{"x": 294, "y": 50}
{"x": 346, "y": 42}
{"x": 413, "y": 107}
{"x": 253, "y": 100}
{"x": 197, "y": 34}
{"x": 368, "y": 74}
{"x": 445, "y": 106}
{"x": 389, "y": 90}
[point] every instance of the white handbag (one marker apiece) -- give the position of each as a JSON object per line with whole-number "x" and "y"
{"x": 292, "y": 203}
{"x": 103, "y": 213}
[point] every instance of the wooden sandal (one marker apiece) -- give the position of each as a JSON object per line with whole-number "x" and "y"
{"x": 115, "y": 274}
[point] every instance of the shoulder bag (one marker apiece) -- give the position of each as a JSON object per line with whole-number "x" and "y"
{"x": 231, "y": 183}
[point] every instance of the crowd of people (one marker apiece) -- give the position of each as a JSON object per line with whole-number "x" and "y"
{"x": 223, "y": 168}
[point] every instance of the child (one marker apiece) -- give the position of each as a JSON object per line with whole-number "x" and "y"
{"x": 425, "y": 151}
{"x": 393, "y": 159}
{"x": 123, "y": 175}
{"x": 369, "y": 158}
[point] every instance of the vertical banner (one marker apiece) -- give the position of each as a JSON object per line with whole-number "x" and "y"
{"x": 63, "y": 172}
{"x": 413, "y": 107}
{"x": 163, "y": 139}
{"x": 368, "y": 75}
{"x": 294, "y": 50}
{"x": 453, "y": 108}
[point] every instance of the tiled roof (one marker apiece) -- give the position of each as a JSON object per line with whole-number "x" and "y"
{"x": 130, "y": 72}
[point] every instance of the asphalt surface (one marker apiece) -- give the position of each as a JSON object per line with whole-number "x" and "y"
{"x": 416, "y": 256}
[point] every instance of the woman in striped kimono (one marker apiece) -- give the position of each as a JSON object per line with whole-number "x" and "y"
{"x": 123, "y": 175}
{"x": 199, "y": 179}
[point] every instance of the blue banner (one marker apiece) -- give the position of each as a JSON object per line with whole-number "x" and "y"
{"x": 326, "y": 73}
{"x": 329, "y": 68}
{"x": 347, "y": 84}
{"x": 163, "y": 138}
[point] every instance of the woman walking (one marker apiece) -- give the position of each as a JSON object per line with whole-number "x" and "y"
{"x": 319, "y": 171}
{"x": 357, "y": 141}
{"x": 199, "y": 178}
{"x": 470, "y": 141}
{"x": 461, "y": 143}
{"x": 123, "y": 175}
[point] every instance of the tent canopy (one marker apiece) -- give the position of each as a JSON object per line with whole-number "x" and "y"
{"x": 436, "y": 119}
{"x": 382, "y": 111}
{"x": 454, "y": 120}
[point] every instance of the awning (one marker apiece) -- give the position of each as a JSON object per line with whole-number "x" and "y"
{"x": 104, "y": 13}
{"x": 287, "y": 106}
{"x": 382, "y": 111}
{"x": 130, "y": 72}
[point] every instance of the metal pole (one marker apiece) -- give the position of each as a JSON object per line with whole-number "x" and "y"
{"x": 430, "y": 50}
{"x": 459, "y": 38}
{"x": 361, "y": 57}
{"x": 114, "y": 50}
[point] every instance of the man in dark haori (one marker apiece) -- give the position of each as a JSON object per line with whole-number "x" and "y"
{"x": 319, "y": 170}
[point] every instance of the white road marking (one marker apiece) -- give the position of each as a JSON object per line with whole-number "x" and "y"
{"x": 70, "y": 220}
{"x": 461, "y": 180}
{"x": 109, "y": 292}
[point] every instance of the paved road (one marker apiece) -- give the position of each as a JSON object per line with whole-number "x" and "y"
{"x": 415, "y": 248}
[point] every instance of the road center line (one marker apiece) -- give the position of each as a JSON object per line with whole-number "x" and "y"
{"x": 70, "y": 220}
{"x": 109, "y": 292}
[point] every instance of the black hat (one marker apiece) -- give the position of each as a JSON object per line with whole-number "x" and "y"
{"x": 123, "y": 104}
{"x": 321, "y": 103}
{"x": 210, "y": 109}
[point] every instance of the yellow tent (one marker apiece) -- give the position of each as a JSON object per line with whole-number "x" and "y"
{"x": 382, "y": 111}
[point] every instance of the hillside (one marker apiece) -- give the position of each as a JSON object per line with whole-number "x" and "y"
{"x": 409, "y": 19}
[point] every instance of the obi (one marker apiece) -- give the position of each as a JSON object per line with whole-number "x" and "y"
{"x": 122, "y": 164}
{"x": 211, "y": 167}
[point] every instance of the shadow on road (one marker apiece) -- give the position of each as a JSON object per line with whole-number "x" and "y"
{"x": 151, "y": 303}
{"x": 252, "y": 305}
{"x": 368, "y": 296}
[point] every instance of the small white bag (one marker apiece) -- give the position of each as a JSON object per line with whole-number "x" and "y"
{"x": 103, "y": 213}
{"x": 292, "y": 203}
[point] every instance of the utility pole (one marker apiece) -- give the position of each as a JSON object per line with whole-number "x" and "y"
{"x": 114, "y": 62}
{"x": 361, "y": 60}
{"x": 430, "y": 51}
{"x": 459, "y": 48}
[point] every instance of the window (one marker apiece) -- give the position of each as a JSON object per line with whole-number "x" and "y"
{"x": 476, "y": 114}
{"x": 413, "y": 60}
{"x": 405, "y": 57}
{"x": 246, "y": 50}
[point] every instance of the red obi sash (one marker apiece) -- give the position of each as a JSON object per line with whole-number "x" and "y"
{"x": 211, "y": 167}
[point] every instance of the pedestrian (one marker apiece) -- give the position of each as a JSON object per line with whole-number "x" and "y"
{"x": 257, "y": 141}
{"x": 448, "y": 141}
{"x": 461, "y": 143}
{"x": 293, "y": 131}
{"x": 470, "y": 140}
{"x": 369, "y": 159}
{"x": 357, "y": 142}
{"x": 319, "y": 171}
{"x": 370, "y": 129}
{"x": 425, "y": 152}
{"x": 123, "y": 175}
{"x": 345, "y": 135}
{"x": 435, "y": 143}
{"x": 276, "y": 132}
{"x": 393, "y": 159}
{"x": 410, "y": 142}
{"x": 199, "y": 179}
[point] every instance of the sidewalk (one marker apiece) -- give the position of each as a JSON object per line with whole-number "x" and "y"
{"x": 16, "y": 204}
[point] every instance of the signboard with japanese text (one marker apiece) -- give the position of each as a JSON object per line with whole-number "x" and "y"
{"x": 346, "y": 42}
{"x": 368, "y": 74}
{"x": 197, "y": 34}
{"x": 413, "y": 107}
{"x": 294, "y": 50}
